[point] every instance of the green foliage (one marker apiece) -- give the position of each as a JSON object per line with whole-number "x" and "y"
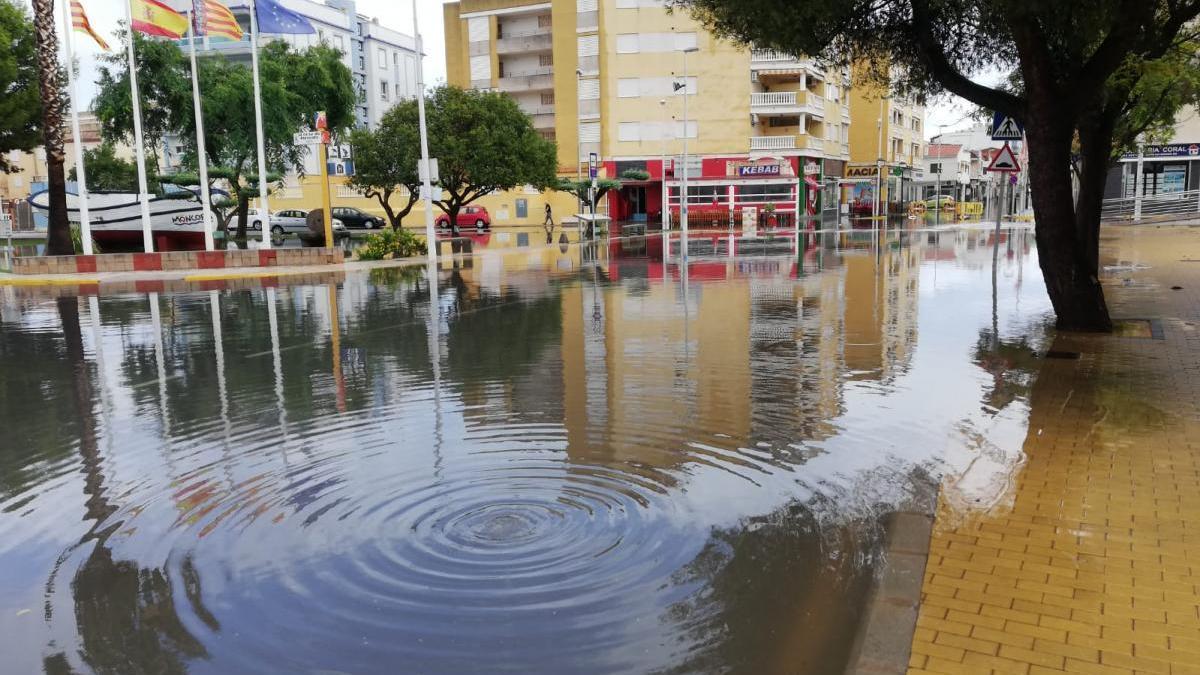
{"x": 164, "y": 85}
{"x": 1159, "y": 89}
{"x": 295, "y": 85}
{"x": 77, "y": 242}
{"x": 391, "y": 243}
{"x": 580, "y": 188}
{"x": 635, "y": 174}
{"x": 107, "y": 171}
{"x": 484, "y": 143}
{"x": 20, "y": 102}
{"x": 385, "y": 160}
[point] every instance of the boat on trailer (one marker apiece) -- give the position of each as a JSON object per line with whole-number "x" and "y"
{"x": 176, "y": 219}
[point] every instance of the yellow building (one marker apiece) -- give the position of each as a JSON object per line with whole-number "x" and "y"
{"x": 886, "y": 132}
{"x": 611, "y": 77}
{"x": 29, "y": 168}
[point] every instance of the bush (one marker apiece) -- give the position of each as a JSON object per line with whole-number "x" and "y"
{"x": 390, "y": 243}
{"x": 77, "y": 241}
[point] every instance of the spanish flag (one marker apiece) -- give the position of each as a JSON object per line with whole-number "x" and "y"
{"x": 154, "y": 18}
{"x": 79, "y": 21}
{"x": 220, "y": 22}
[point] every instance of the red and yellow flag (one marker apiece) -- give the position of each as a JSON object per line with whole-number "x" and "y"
{"x": 154, "y": 18}
{"x": 79, "y": 21}
{"x": 220, "y": 22}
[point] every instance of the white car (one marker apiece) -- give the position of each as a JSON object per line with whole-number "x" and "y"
{"x": 292, "y": 221}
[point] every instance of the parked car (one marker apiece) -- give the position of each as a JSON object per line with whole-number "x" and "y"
{"x": 940, "y": 202}
{"x": 468, "y": 217}
{"x": 355, "y": 219}
{"x": 291, "y": 221}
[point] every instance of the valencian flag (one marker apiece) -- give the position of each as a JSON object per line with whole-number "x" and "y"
{"x": 219, "y": 22}
{"x": 79, "y": 21}
{"x": 151, "y": 17}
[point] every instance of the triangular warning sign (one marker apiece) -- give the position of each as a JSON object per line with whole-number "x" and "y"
{"x": 1004, "y": 161}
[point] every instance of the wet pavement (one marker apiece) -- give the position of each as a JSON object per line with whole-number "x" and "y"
{"x": 1090, "y": 563}
{"x": 585, "y": 458}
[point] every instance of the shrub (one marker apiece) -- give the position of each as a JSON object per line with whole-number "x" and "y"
{"x": 391, "y": 243}
{"x": 77, "y": 241}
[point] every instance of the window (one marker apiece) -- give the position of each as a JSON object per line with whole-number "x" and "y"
{"x": 935, "y": 167}
{"x": 545, "y": 59}
{"x": 784, "y": 122}
{"x": 362, "y": 62}
{"x": 548, "y": 98}
{"x": 657, "y": 87}
{"x": 382, "y": 59}
{"x": 522, "y": 208}
{"x": 629, "y": 132}
{"x": 383, "y": 90}
{"x": 635, "y": 43}
{"x": 545, "y": 20}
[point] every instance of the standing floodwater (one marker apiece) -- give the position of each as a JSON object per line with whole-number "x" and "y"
{"x": 567, "y": 459}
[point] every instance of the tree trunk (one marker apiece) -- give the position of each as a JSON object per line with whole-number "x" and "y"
{"x": 243, "y": 210}
{"x": 59, "y": 232}
{"x": 1069, "y": 264}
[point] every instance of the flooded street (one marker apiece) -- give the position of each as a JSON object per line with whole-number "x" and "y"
{"x": 585, "y": 458}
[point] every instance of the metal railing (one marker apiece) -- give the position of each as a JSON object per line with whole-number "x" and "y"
{"x": 773, "y": 98}
{"x": 1156, "y": 207}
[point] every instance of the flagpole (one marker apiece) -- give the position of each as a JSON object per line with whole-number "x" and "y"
{"x": 426, "y": 177}
{"x": 139, "y": 151}
{"x": 264, "y": 210}
{"x": 85, "y": 221}
{"x": 201, "y": 155}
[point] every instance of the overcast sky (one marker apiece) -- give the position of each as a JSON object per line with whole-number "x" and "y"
{"x": 941, "y": 115}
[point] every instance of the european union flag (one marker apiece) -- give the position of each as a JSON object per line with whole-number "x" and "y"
{"x": 274, "y": 18}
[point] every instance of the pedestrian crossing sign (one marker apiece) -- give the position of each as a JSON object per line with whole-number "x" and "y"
{"x": 1005, "y": 128}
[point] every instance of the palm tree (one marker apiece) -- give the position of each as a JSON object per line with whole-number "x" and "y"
{"x": 59, "y": 233}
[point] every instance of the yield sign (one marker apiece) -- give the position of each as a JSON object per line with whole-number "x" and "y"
{"x": 1004, "y": 161}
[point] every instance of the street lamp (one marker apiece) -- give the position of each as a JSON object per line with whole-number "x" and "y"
{"x": 579, "y": 142}
{"x": 427, "y": 177}
{"x": 663, "y": 166}
{"x": 878, "y": 203}
{"x": 683, "y": 209}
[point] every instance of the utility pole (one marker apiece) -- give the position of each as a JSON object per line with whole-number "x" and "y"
{"x": 683, "y": 210}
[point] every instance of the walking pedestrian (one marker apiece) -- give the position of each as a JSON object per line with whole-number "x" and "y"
{"x": 549, "y": 223}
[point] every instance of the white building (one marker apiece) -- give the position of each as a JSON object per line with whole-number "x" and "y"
{"x": 947, "y": 169}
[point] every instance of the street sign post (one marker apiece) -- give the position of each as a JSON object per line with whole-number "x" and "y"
{"x": 1005, "y": 161}
{"x": 593, "y": 165}
{"x": 1005, "y": 128}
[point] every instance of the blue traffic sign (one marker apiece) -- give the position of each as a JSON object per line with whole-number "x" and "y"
{"x": 1006, "y": 128}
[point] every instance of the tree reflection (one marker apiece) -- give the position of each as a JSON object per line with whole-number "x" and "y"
{"x": 125, "y": 614}
{"x": 781, "y": 593}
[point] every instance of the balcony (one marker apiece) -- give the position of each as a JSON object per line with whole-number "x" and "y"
{"x": 531, "y": 42}
{"x": 767, "y": 59}
{"x": 787, "y": 103}
{"x": 542, "y": 116}
{"x": 774, "y": 143}
{"x": 533, "y": 79}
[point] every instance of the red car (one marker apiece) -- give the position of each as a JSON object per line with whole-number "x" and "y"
{"x": 476, "y": 217}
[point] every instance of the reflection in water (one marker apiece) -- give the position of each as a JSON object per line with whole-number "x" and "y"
{"x": 586, "y": 457}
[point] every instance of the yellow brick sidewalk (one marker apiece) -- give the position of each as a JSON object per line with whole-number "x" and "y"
{"x": 1094, "y": 567}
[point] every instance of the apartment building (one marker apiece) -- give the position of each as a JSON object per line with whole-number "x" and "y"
{"x": 611, "y": 77}
{"x": 28, "y": 174}
{"x": 888, "y": 136}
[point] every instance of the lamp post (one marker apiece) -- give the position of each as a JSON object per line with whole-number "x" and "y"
{"x": 579, "y": 139}
{"x": 683, "y": 209}
{"x": 663, "y": 168}
{"x": 431, "y": 244}
{"x": 878, "y": 203}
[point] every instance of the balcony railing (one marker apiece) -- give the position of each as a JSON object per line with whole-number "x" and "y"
{"x": 773, "y": 143}
{"x": 770, "y": 55}
{"x": 773, "y": 99}
{"x": 537, "y": 42}
{"x": 518, "y": 83}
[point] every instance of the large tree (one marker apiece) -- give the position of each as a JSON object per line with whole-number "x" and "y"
{"x": 58, "y": 235}
{"x": 107, "y": 171}
{"x": 484, "y": 143}
{"x": 385, "y": 161}
{"x": 1078, "y": 63}
{"x": 20, "y": 104}
{"x": 295, "y": 85}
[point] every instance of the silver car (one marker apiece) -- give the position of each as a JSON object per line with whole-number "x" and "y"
{"x": 290, "y": 221}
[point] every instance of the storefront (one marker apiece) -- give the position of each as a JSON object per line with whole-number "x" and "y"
{"x": 1166, "y": 169}
{"x": 862, "y": 184}
{"x": 718, "y": 188}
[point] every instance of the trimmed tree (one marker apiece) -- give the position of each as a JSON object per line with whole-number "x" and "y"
{"x": 484, "y": 143}
{"x": 385, "y": 161}
{"x": 107, "y": 171}
{"x": 1079, "y": 63}
{"x": 580, "y": 189}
